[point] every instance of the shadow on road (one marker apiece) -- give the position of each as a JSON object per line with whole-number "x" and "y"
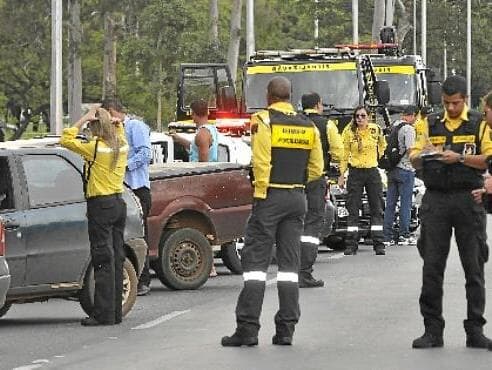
{"x": 4, "y": 323}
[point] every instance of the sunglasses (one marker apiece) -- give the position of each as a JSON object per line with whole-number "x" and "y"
{"x": 363, "y": 115}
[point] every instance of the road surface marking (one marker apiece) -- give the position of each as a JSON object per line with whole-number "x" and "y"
{"x": 36, "y": 364}
{"x": 160, "y": 320}
{"x": 271, "y": 281}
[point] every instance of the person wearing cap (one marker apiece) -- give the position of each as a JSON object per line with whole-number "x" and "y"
{"x": 400, "y": 182}
{"x": 451, "y": 153}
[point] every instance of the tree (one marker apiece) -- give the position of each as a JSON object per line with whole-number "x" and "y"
{"x": 404, "y": 25}
{"x": 109, "y": 62}
{"x": 235, "y": 38}
{"x": 214, "y": 24}
{"x": 378, "y": 18}
{"x": 154, "y": 36}
{"x": 160, "y": 45}
{"x": 74, "y": 73}
{"x": 26, "y": 52}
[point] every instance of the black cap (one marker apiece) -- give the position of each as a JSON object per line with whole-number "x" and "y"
{"x": 409, "y": 109}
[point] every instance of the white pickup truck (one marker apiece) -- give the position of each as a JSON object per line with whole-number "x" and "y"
{"x": 166, "y": 150}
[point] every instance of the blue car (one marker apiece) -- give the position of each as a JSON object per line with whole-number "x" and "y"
{"x": 44, "y": 228}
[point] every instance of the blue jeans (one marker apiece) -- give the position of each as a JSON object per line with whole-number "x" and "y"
{"x": 400, "y": 185}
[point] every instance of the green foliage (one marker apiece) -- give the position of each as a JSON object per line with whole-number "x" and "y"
{"x": 25, "y": 51}
{"x": 154, "y": 36}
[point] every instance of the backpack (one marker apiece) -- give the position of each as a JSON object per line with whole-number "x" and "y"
{"x": 391, "y": 156}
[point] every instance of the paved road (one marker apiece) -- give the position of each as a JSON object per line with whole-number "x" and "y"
{"x": 365, "y": 318}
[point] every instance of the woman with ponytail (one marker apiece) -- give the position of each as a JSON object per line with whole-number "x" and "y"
{"x": 105, "y": 155}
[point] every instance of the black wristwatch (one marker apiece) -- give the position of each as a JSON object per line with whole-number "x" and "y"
{"x": 461, "y": 158}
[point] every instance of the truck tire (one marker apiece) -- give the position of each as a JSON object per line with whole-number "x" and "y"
{"x": 185, "y": 259}
{"x": 4, "y": 309}
{"x": 231, "y": 256}
{"x": 130, "y": 285}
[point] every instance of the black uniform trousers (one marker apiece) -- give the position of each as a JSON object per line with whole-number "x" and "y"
{"x": 145, "y": 198}
{"x": 276, "y": 219}
{"x": 440, "y": 213}
{"x": 313, "y": 222}
{"x": 106, "y": 220}
{"x": 370, "y": 179}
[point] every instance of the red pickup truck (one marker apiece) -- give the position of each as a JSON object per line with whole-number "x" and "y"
{"x": 194, "y": 206}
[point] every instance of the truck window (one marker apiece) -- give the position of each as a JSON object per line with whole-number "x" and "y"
{"x": 222, "y": 78}
{"x": 6, "y": 190}
{"x": 199, "y": 84}
{"x": 51, "y": 180}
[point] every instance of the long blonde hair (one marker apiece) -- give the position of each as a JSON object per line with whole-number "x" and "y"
{"x": 105, "y": 130}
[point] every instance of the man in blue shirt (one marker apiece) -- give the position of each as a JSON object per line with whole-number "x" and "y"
{"x": 137, "y": 170}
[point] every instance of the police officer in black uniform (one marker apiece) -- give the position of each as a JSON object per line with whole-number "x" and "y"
{"x": 332, "y": 145}
{"x": 451, "y": 152}
{"x": 286, "y": 154}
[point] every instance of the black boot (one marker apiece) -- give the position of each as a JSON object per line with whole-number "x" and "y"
{"x": 428, "y": 340}
{"x": 349, "y": 251}
{"x": 236, "y": 340}
{"x": 310, "y": 282}
{"x": 380, "y": 251}
{"x": 478, "y": 340}
{"x": 281, "y": 341}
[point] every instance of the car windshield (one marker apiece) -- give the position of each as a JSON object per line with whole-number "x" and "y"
{"x": 337, "y": 87}
{"x": 403, "y": 89}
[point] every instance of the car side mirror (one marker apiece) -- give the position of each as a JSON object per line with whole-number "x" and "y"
{"x": 382, "y": 92}
{"x": 226, "y": 101}
{"x": 434, "y": 92}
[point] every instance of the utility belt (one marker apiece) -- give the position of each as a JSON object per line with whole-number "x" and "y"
{"x": 352, "y": 168}
{"x": 454, "y": 177}
{"x": 296, "y": 187}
